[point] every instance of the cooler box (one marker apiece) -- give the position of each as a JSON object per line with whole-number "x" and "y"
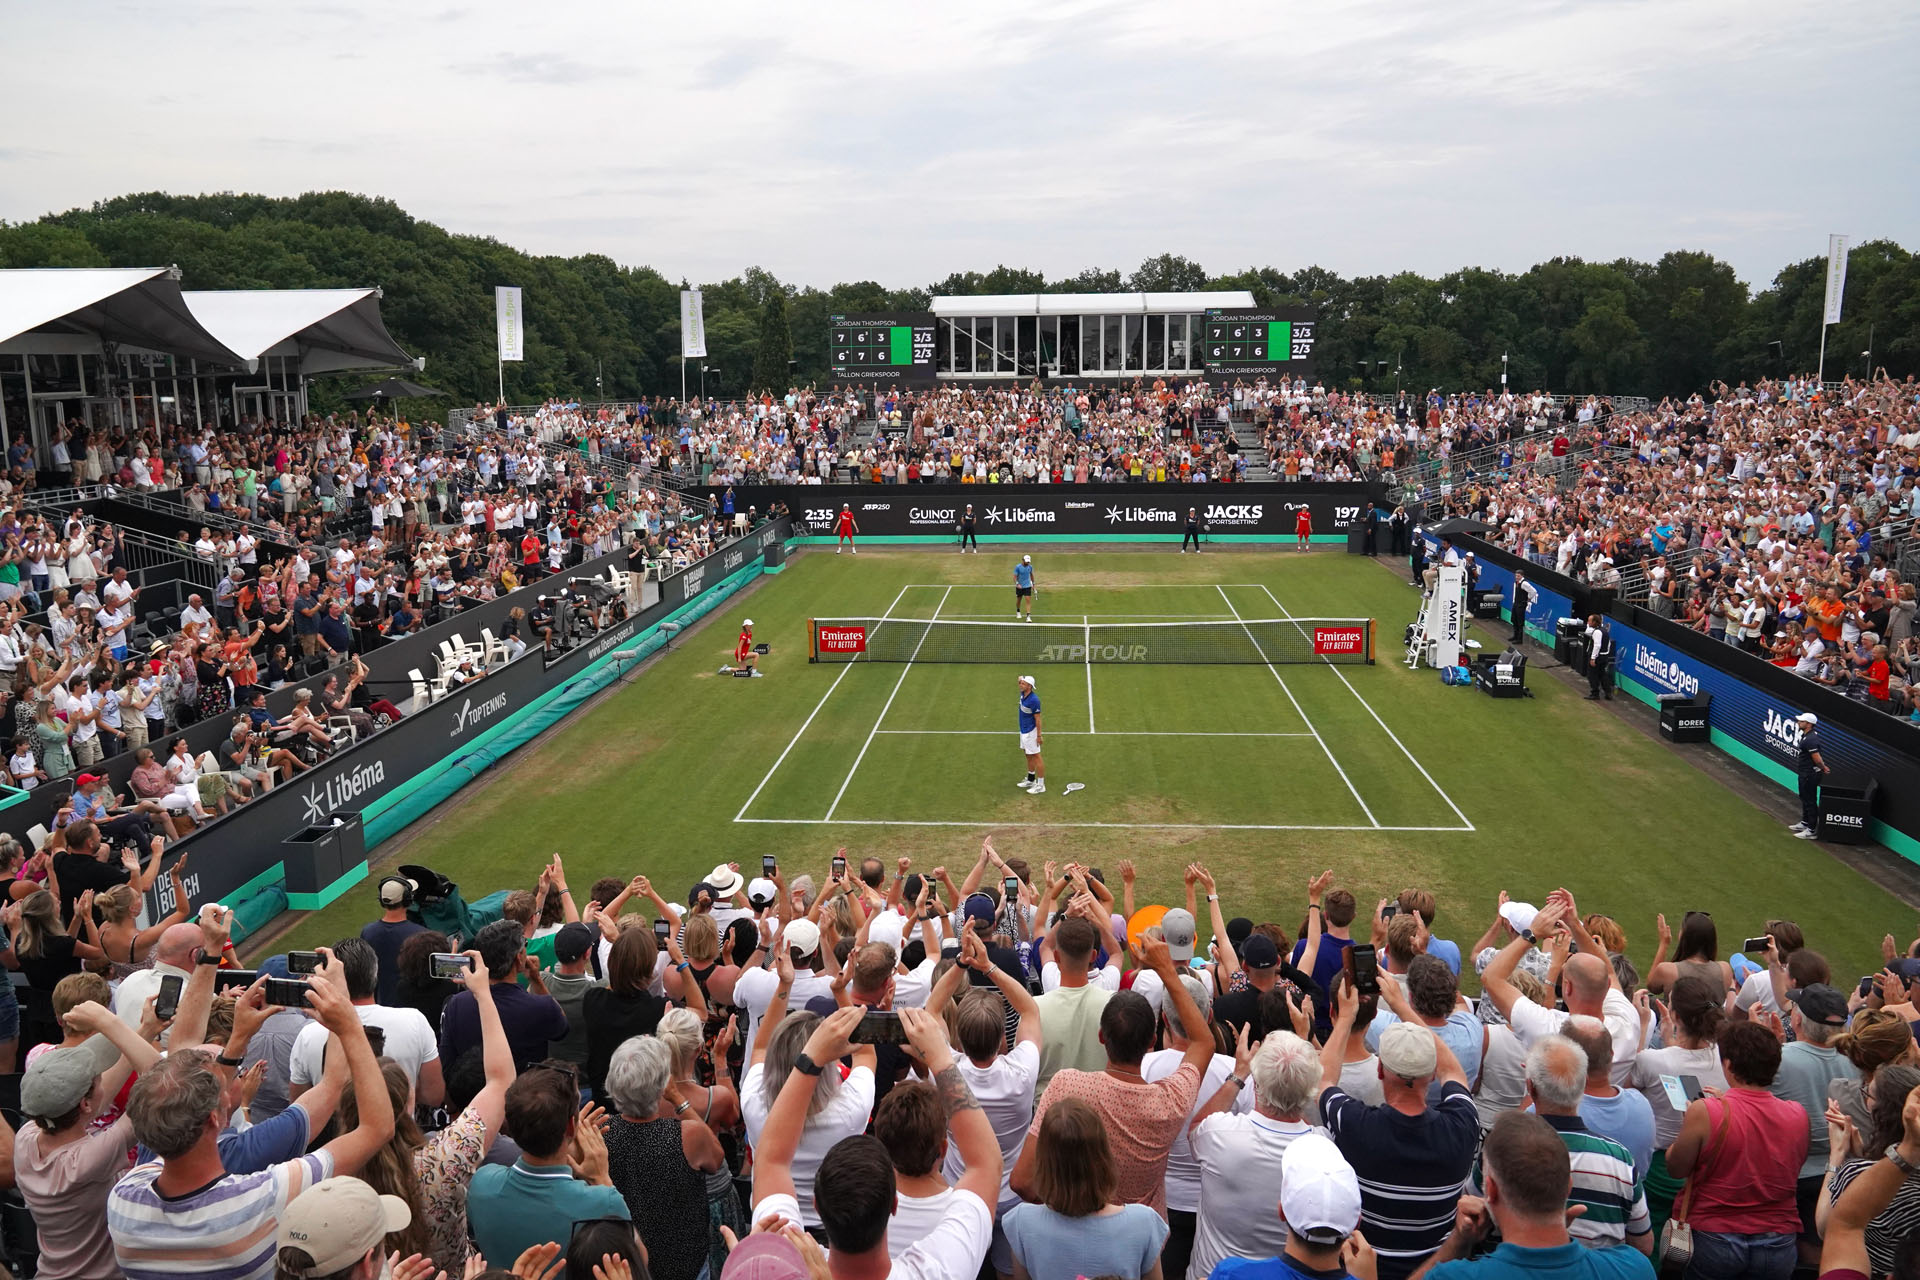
{"x": 1846, "y": 812}
{"x": 1684, "y": 718}
{"x": 319, "y": 855}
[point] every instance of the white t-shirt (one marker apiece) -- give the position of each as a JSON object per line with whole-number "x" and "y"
{"x": 1183, "y": 1171}
{"x": 410, "y": 1042}
{"x": 953, "y": 1250}
{"x": 753, "y": 991}
{"x": 1702, "y": 1064}
{"x": 1004, "y": 1090}
{"x": 844, "y": 1117}
{"x": 915, "y": 1218}
{"x": 1530, "y": 1021}
{"x": 1239, "y": 1161}
{"x": 1107, "y": 979}
{"x": 911, "y": 989}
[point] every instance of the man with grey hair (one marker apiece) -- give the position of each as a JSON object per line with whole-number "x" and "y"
{"x": 1604, "y": 1185}
{"x": 1624, "y": 1115}
{"x": 1240, "y": 1154}
{"x": 183, "y": 1211}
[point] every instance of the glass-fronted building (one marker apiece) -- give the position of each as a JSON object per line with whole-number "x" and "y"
{"x": 1073, "y": 335}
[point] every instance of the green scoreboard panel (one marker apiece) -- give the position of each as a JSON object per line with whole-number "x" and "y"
{"x": 882, "y": 347}
{"x": 1243, "y": 343}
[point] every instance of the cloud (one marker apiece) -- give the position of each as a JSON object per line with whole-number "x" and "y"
{"x": 899, "y": 143}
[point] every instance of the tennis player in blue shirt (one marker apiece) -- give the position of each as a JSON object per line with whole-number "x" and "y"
{"x": 1035, "y": 783}
{"x": 1023, "y": 588}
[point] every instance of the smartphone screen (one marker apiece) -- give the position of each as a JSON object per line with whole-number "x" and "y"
{"x": 880, "y": 1026}
{"x": 1010, "y": 888}
{"x": 1363, "y": 968}
{"x": 228, "y": 979}
{"x": 1691, "y": 1084}
{"x": 661, "y": 929}
{"x": 377, "y": 1037}
{"x": 768, "y": 864}
{"x": 167, "y": 1003}
{"x": 1756, "y": 945}
{"x": 839, "y": 867}
{"x": 300, "y": 963}
{"x": 448, "y": 964}
{"x": 290, "y": 993}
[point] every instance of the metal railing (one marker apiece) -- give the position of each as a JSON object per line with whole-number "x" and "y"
{"x": 143, "y": 552}
{"x": 196, "y": 516}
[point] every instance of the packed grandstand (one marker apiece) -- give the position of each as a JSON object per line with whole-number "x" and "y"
{"x": 1054, "y": 1092}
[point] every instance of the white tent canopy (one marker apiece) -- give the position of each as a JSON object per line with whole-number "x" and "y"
{"x": 1067, "y": 304}
{"x": 129, "y": 306}
{"x": 328, "y": 329}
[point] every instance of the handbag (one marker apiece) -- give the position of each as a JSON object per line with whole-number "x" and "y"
{"x": 1676, "y": 1237}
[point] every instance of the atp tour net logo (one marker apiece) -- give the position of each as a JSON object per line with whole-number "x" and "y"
{"x": 1093, "y": 653}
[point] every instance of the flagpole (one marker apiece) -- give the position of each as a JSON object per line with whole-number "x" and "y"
{"x": 1820, "y": 375}
{"x": 501, "y": 365}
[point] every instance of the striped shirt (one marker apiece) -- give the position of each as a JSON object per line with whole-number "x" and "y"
{"x": 1603, "y": 1181}
{"x": 1411, "y": 1169}
{"x": 221, "y": 1232}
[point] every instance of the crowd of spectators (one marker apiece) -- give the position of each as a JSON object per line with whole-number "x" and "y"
{"x": 1769, "y": 516}
{"x": 324, "y": 540}
{"x": 875, "y": 1070}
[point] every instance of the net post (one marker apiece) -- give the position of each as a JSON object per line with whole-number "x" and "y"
{"x": 1370, "y": 641}
{"x": 813, "y": 641}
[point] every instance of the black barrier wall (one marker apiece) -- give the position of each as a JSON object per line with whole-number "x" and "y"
{"x": 1754, "y": 702}
{"x": 243, "y": 847}
{"x": 1084, "y": 512}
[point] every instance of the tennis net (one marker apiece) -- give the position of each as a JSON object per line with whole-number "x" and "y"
{"x": 1254, "y": 640}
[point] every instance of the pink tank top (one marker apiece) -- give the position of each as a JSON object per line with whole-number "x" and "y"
{"x": 1750, "y": 1176}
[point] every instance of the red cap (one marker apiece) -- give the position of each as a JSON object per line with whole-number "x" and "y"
{"x": 86, "y": 779}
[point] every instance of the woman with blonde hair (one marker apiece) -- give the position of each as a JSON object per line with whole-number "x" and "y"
{"x": 1877, "y": 1038}
{"x": 70, "y": 992}
{"x": 119, "y": 934}
{"x": 42, "y": 948}
{"x": 1076, "y": 1228}
{"x": 718, "y": 1107}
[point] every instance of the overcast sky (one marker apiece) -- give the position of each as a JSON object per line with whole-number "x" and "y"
{"x": 899, "y": 142}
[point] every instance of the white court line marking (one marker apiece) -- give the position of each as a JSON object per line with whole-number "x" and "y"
{"x": 1303, "y": 716}
{"x": 738, "y": 817}
{"x": 1128, "y": 826}
{"x": 883, "y": 711}
{"x": 1412, "y": 759}
{"x": 1087, "y": 645}
{"x": 1111, "y": 733}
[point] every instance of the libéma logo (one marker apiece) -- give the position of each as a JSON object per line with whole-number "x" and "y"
{"x": 1020, "y": 515}
{"x": 321, "y": 800}
{"x": 472, "y": 712}
{"x": 1094, "y": 653}
{"x": 1668, "y": 675}
{"x": 1144, "y": 515}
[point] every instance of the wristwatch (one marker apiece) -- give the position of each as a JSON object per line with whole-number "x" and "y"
{"x": 1900, "y": 1162}
{"x": 206, "y": 957}
{"x": 807, "y": 1066}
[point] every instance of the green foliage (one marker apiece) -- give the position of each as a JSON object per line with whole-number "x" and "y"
{"x": 1661, "y": 328}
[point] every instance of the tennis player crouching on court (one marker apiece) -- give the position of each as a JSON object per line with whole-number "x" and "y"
{"x": 1036, "y": 780}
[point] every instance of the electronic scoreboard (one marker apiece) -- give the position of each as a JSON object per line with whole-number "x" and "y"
{"x": 882, "y": 347}
{"x": 1240, "y": 343}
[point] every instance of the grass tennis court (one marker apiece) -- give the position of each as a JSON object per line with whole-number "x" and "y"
{"x": 1267, "y": 775}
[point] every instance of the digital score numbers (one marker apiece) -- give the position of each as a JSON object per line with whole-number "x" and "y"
{"x": 882, "y": 347}
{"x": 1249, "y": 343}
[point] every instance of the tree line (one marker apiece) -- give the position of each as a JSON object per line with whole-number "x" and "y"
{"x": 596, "y": 328}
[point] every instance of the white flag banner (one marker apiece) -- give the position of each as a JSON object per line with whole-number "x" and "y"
{"x": 507, "y": 321}
{"x": 693, "y": 326}
{"x": 1836, "y": 277}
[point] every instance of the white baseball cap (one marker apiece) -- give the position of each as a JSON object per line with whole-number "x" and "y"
{"x": 803, "y": 937}
{"x": 1026, "y": 559}
{"x": 1520, "y": 915}
{"x": 1028, "y": 680}
{"x": 1319, "y": 1191}
{"x": 746, "y": 622}
{"x": 1807, "y": 717}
